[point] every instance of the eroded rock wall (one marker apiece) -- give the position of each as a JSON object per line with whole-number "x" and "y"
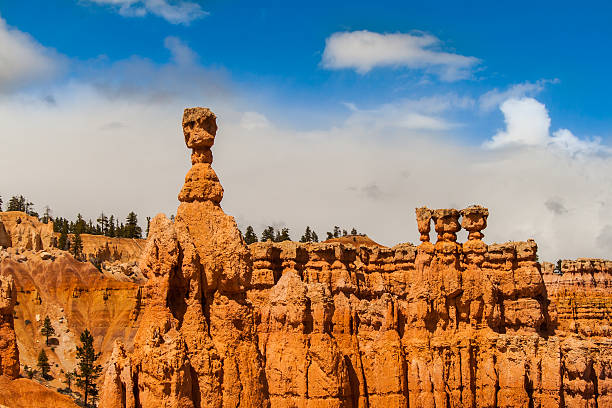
{"x": 76, "y": 296}
{"x": 442, "y": 324}
{"x": 9, "y": 353}
{"x": 20, "y": 230}
{"x": 581, "y": 295}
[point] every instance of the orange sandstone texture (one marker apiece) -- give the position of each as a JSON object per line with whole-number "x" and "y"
{"x": 75, "y": 295}
{"x": 581, "y": 296}
{"x": 24, "y": 393}
{"x": 9, "y": 354}
{"x": 19, "y": 230}
{"x": 441, "y": 324}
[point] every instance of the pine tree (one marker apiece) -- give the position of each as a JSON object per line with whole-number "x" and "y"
{"x": 132, "y": 230}
{"x": 77, "y": 245}
{"x": 88, "y": 371}
{"x": 43, "y": 364}
{"x": 47, "y": 329}
{"x": 329, "y": 235}
{"x": 268, "y": 234}
{"x": 249, "y": 236}
{"x": 283, "y": 235}
{"x": 315, "y": 237}
{"x": 0, "y": 203}
{"x": 336, "y": 231}
{"x": 63, "y": 239}
{"x": 47, "y": 215}
{"x": 103, "y": 223}
{"x": 68, "y": 378}
{"x": 111, "y": 226}
{"x": 29, "y": 209}
{"x": 307, "y": 237}
{"x": 354, "y": 231}
{"x": 148, "y": 226}
{"x": 17, "y": 204}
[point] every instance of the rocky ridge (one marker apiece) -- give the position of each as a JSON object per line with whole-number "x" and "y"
{"x": 442, "y": 324}
{"x": 581, "y": 295}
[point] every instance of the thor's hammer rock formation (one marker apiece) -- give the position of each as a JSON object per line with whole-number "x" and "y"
{"x": 442, "y": 324}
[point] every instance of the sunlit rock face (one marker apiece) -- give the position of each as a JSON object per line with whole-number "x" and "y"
{"x": 444, "y": 324}
{"x": 9, "y": 354}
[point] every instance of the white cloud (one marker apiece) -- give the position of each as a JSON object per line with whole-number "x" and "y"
{"x": 175, "y": 12}
{"x": 23, "y": 60}
{"x": 181, "y": 53}
{"x": 424, "y": 114}
{"x": 528, "y": 124}
{"x": 366, "y": 50}
{"x": 111, "y": 141}
{"x": 492, "y": 99}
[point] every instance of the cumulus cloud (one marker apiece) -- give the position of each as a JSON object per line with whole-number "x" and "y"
{"x": 528, "y": 124}
{"x": 23, "y": 60}
{"x": 492, "y": 99}
{"x": 365, "y": 50}
{"x": 175, "y": 12}
{"x": 120, "y": 127}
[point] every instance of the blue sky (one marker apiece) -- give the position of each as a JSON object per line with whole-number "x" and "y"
{"x": 514, "y": 95}
{"x": 276, "y": 49}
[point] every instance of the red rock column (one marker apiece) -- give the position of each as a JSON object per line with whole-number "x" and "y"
{"x": 425, "y": 251}
{"x": 446, "y": 223}
{"x": 201, "y": 181}
{"x": 474, "y": 220}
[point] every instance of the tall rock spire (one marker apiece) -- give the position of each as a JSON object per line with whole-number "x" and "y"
{"x": 201, "y": 182}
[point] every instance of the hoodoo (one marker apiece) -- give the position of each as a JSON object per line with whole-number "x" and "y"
{"x": 441, "y": 324}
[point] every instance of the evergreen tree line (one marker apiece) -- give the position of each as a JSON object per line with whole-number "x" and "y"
{"x": 337, "y": 232}
{"x": 20, "y": 203}
{"x": 279, "y": 235}
{"x": 86, "y": 372}
{"x": 105, "y": 225}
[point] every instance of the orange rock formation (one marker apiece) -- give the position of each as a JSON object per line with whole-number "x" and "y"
{"x": 441, "y": 324}
{"x": 19, "y": 230}
{"x": 76, "y": 296}
{"x": 24, "y": 393}
{"x": 581, "y": 295}
{"x": 9, "y": 354}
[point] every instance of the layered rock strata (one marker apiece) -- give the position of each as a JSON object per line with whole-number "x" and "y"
{"x": 581, "y": 295}
{"x": 442, "y": 324}
{"x": 20, "y": 230}
{"x": 76, "y": 296}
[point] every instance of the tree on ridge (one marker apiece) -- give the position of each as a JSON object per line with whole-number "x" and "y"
{"x": 47, "y": 329}
{"x": 43, "y": 364}
{"x": 88, "y": 371}
{"x": 268, "y": 234}
{"x": 249, "y": 236}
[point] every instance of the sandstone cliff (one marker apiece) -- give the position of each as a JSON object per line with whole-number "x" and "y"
{"x": 9, "y": 353}
{"x": 331, "y": 325}
{"x": 581, "y": 295}
{"x": 24, "y": 393}
{"x": 75, "y": 295}
{"x": 19, "y": 230}
{"x": 107, "y": 249}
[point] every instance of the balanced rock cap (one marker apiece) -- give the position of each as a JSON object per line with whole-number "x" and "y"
{"x": 199, "y": 128}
